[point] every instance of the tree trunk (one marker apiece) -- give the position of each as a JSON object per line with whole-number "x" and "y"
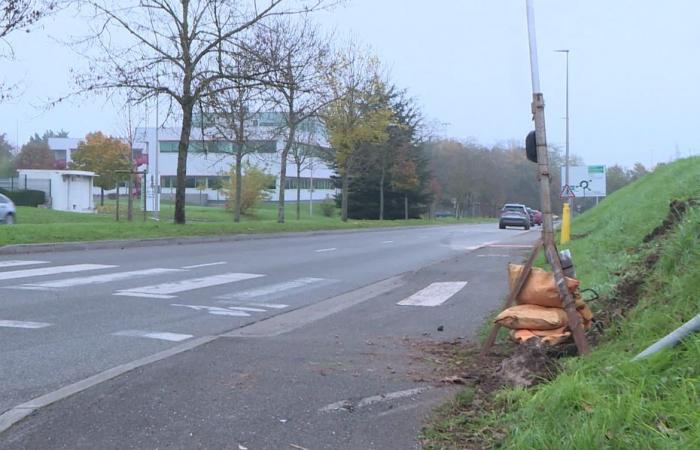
{"x": 239, "y": 186}
{"x": 283, "y": 170}
{"x": 298, "y": 190}
{"x": 187, "y": 108}
{"x": 102, "y": 196}
{"x": 381, "y": 193}
{"x": 405, "y": 206}
{"x": 344, "y": 195}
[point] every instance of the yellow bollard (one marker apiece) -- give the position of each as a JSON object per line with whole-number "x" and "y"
{"x": 565, "y": 224}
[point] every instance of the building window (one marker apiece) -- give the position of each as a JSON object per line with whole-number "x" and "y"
{"x": 305, "y": 183}
{"x": 323, "y": 184}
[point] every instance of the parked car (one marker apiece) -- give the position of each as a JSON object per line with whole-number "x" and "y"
{"x": 8, "y": 212}
{"x": 531, "y": 215}
{"x": 514, "y": 215}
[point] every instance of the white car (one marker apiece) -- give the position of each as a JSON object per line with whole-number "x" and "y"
{"x": 8, "y": 212}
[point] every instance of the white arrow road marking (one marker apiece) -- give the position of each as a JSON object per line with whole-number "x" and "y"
{"x": 100, "y": 279}
{"x": 18, "y": 324}
{"x": 164, "y": 336}
{"x": 271, "y": 289}
{"x": 348, "y": 405}
{"x": 215, "y": 310}
{"x": 51, "y": 271}
{"x": 197, "y": 266}
{"x": 175, "y": 287}
{"x": 15, "y": 263}
{"x": 434, "y": 295}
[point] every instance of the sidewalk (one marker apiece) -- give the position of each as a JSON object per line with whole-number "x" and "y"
{"x": 348, "y": 381}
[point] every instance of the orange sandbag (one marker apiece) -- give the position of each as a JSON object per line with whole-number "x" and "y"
{"x": 539, "y": 289}
{"x": 521, "y": 336}
{"x": 549, "y": 337}
{"x": 532, "y": 317}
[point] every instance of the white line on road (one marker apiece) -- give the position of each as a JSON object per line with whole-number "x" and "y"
{"x": 247, "y": 309}
{"x": 15, "y": 263}
{"x": 324, "y": 250}
{"x": 19, "y": 324}
{"x": 270, "y": 305}
{"x": 99, "y": 279}
{"x": 188, "y": 285}
{"x": 51, "y": 271}
{"x": 197, "y": 266}
{"x": 434, "y": 295}
{"x": 164, "y": 336}
{"x": 143, "y": 295}
{"x": 272, "y": 289}
{"x": 347, "y": 405}
{"x": 215, "y": 310}
{"x": 387, "y": 242}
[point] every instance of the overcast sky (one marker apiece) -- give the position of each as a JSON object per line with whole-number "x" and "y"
{"x": 634, "y": 72}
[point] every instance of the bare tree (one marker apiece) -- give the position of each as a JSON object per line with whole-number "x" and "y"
{"x": 235, "y": 109}
{"x": 19, "y": 15}
{"x": 170, "y": 48}
{"x": 301, "y": 155}
{"x": 299, "y": 58}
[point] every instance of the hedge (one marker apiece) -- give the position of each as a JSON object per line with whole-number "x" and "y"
{"x": 26, "y": 198}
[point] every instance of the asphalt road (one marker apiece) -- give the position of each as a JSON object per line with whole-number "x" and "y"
{"x": 67, "y": 316}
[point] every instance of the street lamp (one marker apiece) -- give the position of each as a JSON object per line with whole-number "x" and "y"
{"x": 566, "y": 176}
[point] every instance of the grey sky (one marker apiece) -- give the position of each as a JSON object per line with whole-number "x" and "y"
{"x": 634, "y": 72}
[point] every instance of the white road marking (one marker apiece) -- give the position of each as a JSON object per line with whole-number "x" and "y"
{"x": 323, "y": 250}
{"x": 28, "y": 288}
{"x": 164, "y": 336}
{"x": 27, "y": 273}
{"x": 247, "y": 309}
{"x": 143, "y": 295}
{"x": 347, "y": 405}
{"x": 215, "y": 310}
{"x": 271, "y": 289}
{"x": 19, "y": 324}
{"x": 100, "y": 279}
{"x": 196, "y": 266}
{"x": 188, "y": 285}
{"x": 387, "y": 242}
{"x": 270, "y": 305}
{"x": 15, "y": 263}
{"x": 434, "y": 295}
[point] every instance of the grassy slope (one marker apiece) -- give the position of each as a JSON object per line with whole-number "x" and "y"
{"x": 42, "y": 225}
{"x": 604, "y": 400}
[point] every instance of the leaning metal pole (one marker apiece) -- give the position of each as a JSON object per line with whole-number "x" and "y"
{"x": 545, "y": 198}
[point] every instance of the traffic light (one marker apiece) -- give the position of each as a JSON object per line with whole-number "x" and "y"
{"x": 531, "y": 146}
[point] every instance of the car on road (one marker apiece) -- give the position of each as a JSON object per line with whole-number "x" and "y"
{"x": 535, "y": 216}
{"x": 514, "y": 215}
{"x": 8, "y": 212}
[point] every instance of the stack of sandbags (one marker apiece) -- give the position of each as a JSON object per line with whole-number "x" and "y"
{"x": 539, "y": 313}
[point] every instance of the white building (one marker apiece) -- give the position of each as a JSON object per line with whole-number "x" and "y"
{"x": 210, "y": 160}
{"x": 69, "y": 190}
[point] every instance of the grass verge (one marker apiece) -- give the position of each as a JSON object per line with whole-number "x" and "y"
{"x": 604, "y": 400}
{"x": 37, "y": 225}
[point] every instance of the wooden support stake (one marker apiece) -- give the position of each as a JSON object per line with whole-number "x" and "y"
{"x": 520, "y": 282}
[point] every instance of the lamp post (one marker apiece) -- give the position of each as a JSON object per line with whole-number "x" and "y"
{"x": 566, "y": 170}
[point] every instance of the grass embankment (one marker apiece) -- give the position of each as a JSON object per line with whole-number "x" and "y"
{"x": 36, "y": 225}
{"x": 604, "y": 400}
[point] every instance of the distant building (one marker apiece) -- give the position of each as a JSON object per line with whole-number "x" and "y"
{"x": 210, "y": 160}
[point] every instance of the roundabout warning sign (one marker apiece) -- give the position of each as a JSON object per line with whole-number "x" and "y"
{"x": 584, "y": 181}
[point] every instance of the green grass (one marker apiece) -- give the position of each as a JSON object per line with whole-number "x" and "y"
{"x": 37, "y": 225}
{"x": 603, "y": 400}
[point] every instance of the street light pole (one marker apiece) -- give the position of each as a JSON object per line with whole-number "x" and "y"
{"x": 566, "y": 170}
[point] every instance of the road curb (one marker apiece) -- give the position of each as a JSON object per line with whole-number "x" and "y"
{"x": 18, "y": 249}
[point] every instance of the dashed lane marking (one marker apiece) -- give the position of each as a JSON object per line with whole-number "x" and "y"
{"x": 324, "y": 250}
{"x": 435, "y": 294}
{"x": 20, "y": 324}
{"x": 27, "y": 273}
{"x": 167, "y": 289}
{"x": 163, "y": 336}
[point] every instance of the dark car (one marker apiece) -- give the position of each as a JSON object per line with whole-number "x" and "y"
{"x": 514, "y": 215}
